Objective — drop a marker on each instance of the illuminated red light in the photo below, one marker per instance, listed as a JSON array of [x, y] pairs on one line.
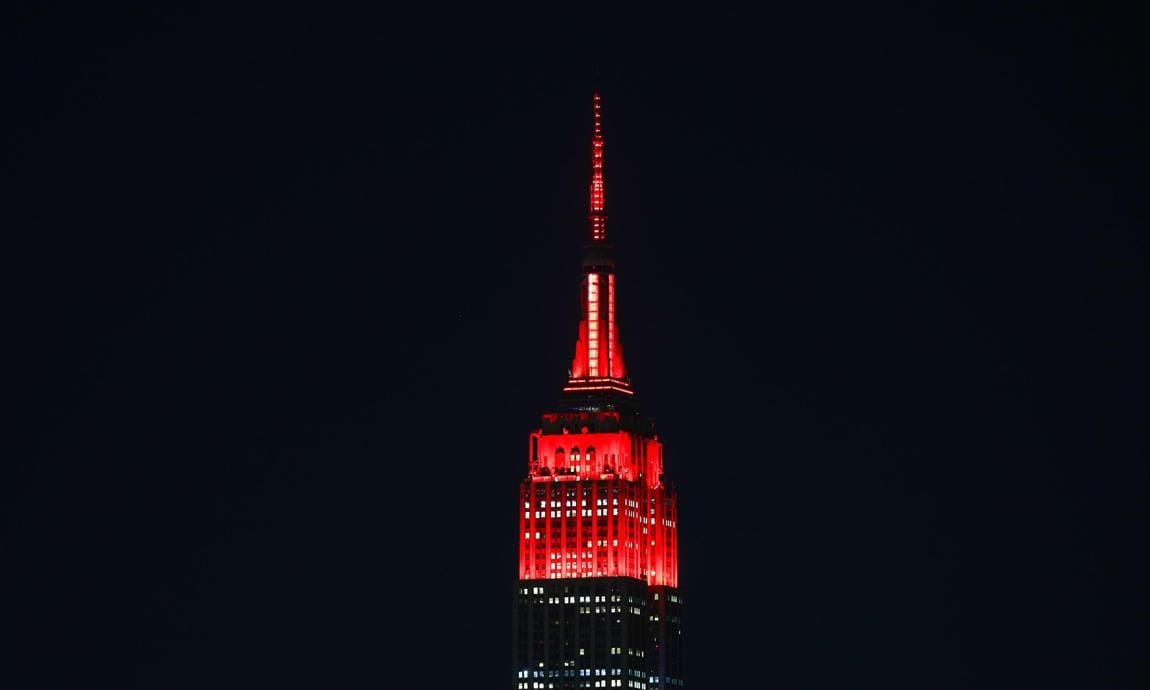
[[598, 202], [576, 388], [597, 527], [593, 324], [598, 351], [594, 503]]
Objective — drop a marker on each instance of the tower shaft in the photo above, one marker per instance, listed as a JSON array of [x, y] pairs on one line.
[[597, 604]]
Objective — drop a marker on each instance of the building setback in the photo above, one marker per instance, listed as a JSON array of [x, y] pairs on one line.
[[597, 604]]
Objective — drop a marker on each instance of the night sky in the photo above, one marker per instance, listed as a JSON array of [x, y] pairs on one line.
[[284, 291]]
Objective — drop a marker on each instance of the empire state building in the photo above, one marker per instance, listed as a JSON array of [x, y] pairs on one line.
[[597, 604]]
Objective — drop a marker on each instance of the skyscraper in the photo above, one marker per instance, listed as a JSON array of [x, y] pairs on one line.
[[597, 604]]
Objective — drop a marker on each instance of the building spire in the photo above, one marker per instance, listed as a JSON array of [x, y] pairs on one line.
[[598, 206], [598, 363]]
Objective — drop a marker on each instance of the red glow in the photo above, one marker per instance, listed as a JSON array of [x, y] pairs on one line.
[[597, 527], [598, 203], [614, 347], [577, 388], [593, 324], [591, 455], [593, 502], [598, 352]]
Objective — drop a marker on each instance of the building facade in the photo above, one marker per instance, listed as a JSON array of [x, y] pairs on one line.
[[597, 604]]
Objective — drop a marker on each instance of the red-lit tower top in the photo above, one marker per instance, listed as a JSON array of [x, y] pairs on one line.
[[594, 503], [598, 361]]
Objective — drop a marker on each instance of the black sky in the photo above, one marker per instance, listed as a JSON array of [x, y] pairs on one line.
[[286, 289]]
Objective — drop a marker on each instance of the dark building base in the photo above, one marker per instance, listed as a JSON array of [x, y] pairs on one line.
[[597, 632]]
